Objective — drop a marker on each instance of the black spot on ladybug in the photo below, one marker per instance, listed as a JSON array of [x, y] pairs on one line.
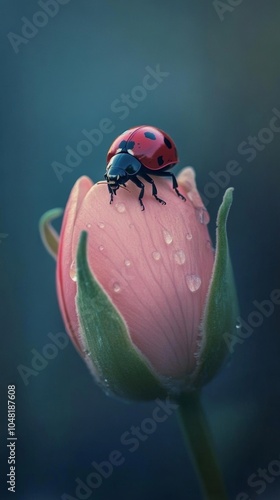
[[125, 145], [150, 135], [160, 160], [122, 145], [167, 143]]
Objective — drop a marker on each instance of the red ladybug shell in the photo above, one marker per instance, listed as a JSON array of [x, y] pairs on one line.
[[151, 146]]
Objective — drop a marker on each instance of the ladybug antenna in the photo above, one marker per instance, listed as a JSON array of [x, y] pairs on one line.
[[105, 182]]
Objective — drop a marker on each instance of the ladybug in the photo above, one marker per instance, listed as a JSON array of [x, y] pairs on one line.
[[140, 152]]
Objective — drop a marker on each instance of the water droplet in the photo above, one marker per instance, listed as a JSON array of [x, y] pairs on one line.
[[120, 207], [209, 245], [193, 281], [180, 257], [167, 237], [101, 225], [127, 263], [156, 255], [101, 248], [202, 215], [116, 287], [73, 271], [189, 236], [238, 325], [89, 226]]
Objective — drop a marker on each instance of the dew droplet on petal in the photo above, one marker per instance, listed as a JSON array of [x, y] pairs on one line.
[[180, 257], [193, 281], [120, 207], [167, 237], [101, 225], [189, 236], [127, 263], [202, 215], [209, 245], [156, 255], [73, 271], [116, 287], [101, 248], [89, 225]]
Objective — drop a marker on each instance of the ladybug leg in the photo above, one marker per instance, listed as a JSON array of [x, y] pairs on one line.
[[154, 188], [111, 193], [174, 181], [142, 189]]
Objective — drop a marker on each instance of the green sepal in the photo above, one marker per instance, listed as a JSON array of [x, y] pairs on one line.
[[221, 310], [121, 368], [49, 236]]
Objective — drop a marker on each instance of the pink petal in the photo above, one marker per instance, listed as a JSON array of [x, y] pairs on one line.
[[155, 265], [66, 288]]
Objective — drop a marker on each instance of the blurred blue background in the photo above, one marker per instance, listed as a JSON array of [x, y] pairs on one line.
[[221, 84]]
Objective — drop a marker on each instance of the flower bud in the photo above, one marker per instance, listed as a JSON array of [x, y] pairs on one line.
[[143, 295]]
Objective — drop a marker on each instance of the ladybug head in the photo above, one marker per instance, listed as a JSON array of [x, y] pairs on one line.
[[120, 168]]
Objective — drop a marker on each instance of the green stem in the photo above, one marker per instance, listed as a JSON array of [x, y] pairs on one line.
[[197, 434]]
